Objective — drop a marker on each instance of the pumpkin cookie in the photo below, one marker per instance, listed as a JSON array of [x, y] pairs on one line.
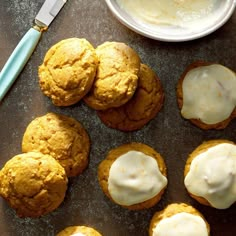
[[206, 95], [179, 219], [79, 231], [33, 184], [68, 71], [210, 173], [133, 176], [116, 78], [62, 137], [141, 108]]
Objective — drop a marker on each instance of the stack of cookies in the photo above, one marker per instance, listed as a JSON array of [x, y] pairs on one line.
[[110, 79], [54, 148]]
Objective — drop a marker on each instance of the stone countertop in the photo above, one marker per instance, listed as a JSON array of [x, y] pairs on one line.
[[168, 133]]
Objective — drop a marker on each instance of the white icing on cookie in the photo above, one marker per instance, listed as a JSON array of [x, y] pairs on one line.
[[181, 224], [209, 94], [212, 175], [78, 234], [134, 178]]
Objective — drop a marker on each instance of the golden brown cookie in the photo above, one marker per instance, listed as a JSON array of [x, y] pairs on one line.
[[80, 230], [141, 108], [198, 122], [172, 210], [201, 149], [116, 78], [62, 137], [68, 70], [105, 167], [33, 184]]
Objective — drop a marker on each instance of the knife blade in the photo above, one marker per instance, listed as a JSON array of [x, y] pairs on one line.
[[27, 44], [48, 12]]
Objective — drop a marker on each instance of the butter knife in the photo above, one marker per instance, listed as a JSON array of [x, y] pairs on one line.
[[27, 44]]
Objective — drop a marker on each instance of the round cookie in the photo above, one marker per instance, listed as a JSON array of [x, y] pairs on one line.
[[68, 70], [139, 186], [141, 108], [62, 137], [179, 219], [117, 76], [205, 110], [33, 184], [202, 169], [79, 231]]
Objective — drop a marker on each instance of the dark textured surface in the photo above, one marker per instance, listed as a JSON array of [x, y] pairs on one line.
[[168, 133]]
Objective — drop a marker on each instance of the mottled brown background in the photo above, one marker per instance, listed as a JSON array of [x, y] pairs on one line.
[[168, 133]]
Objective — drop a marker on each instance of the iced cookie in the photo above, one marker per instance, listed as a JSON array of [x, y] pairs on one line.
[[79, 231], [141, 108], [117, 76], [62, 137], [68, 70], [210, 173], [179, 219], [33, 184], [133, 176], [206, 95]]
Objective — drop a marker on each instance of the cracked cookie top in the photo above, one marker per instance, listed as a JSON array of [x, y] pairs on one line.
[[141, 108], [62, 137], [33, 184], [116, 78], [68, 70]]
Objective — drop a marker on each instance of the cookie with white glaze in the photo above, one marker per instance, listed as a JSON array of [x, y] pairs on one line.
[[79, 231], [133, 175], [206, 95], [179, 219], [210, 176]]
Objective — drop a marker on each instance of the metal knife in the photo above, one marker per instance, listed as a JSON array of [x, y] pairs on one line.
[[26, 46]]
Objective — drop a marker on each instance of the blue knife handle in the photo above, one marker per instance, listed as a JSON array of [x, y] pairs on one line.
[[17, 60]]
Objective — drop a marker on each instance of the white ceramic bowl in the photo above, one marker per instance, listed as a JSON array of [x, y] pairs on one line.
[[172, 34]]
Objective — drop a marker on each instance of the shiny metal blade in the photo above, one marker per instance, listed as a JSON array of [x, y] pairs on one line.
[[48, 12]]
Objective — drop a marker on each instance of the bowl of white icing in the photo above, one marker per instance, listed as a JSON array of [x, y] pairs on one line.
[[172, 20]]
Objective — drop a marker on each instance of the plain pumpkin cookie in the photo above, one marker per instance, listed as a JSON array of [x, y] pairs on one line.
[[210, 173], [79, 231], [68, 71], [141, 108], [179, 219], [206, 95], [62, 137], [116, 78], [133, 175], [33, 184]]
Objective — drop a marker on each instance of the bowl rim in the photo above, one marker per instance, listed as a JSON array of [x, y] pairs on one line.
[[171, 38]]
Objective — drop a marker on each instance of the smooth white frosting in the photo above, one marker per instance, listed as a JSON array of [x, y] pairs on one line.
[[212, 175], [181, 224], [209, 94], [180, 13], [134, 178]]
